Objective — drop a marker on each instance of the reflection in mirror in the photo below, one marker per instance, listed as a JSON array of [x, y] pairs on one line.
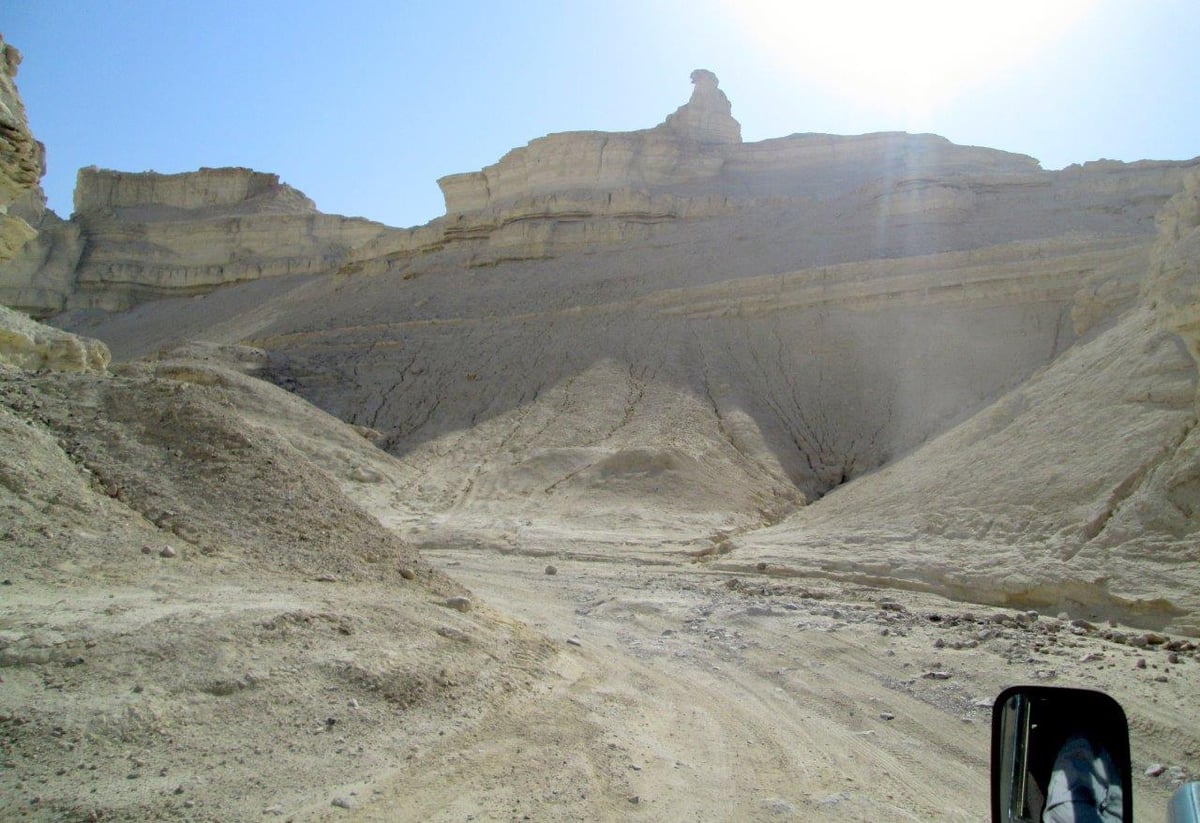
[[1060, 756]]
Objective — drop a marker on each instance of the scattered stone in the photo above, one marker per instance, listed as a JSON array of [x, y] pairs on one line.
[[886, 716], [188, 804], [459, 603], [1139, 640], [1080, 623], [1162, 678], [407, 573], [551, 570], [635, 800], [1155, 639], [1091, 657], [1155, 769], [352, 703], [74, 661], [573, 641], [147, 549], [936, 675], [761, 566], [342, 802], [891, 606], [1045, 674], [1140, 664], [275, 810], [179, 789], [167, 551], [939, 643], [1173, 657]]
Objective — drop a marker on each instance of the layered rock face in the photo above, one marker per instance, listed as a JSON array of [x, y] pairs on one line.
[[139, 236], [22, 158]]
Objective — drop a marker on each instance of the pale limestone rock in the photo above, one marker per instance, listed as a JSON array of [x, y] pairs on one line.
[[707, 116], [1173, 289], [148, 235], [29, 345], [150, 194], [22, 158]]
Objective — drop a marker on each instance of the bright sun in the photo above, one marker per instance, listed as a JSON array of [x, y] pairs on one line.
[[911, 56]]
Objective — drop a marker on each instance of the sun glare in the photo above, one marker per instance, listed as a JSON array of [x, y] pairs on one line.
[[910, 57]]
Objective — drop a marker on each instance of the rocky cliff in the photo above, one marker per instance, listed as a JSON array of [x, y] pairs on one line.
[[135, 237], [22, 158]]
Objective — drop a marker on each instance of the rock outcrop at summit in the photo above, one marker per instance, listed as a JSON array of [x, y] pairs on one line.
[[707, 116]]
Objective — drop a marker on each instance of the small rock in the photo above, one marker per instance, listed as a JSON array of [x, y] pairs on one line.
[[188, 804], [1173, 657], [1162, 678], [1155, 639], [1080, 623], [407, 573], [352, 703], [1140, 664], [1155, 769], [1139, 640], [551, 570], [342, 802], [886, 716], [635, 800], [326, 578], [459, 603], [167, 551], [891, 606], [275, 810], [573, 641], [1045, 674], [936, 675], [179, 790], [939, 643], [761, 566], [1091, 657], [147, 550]]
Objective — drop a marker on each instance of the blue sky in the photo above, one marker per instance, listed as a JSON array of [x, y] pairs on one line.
[[363, 105]]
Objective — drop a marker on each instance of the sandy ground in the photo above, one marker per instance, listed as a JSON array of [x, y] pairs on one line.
[[755, 697]]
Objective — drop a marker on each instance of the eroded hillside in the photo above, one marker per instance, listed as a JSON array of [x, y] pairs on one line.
[[672, 334]]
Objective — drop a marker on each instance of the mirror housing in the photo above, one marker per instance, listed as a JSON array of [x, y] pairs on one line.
[[1060, 754]]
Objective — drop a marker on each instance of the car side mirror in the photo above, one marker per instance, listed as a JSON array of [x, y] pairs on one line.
[[1060, 755]]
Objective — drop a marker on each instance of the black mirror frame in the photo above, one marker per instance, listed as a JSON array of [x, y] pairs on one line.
[[1104, 708]]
